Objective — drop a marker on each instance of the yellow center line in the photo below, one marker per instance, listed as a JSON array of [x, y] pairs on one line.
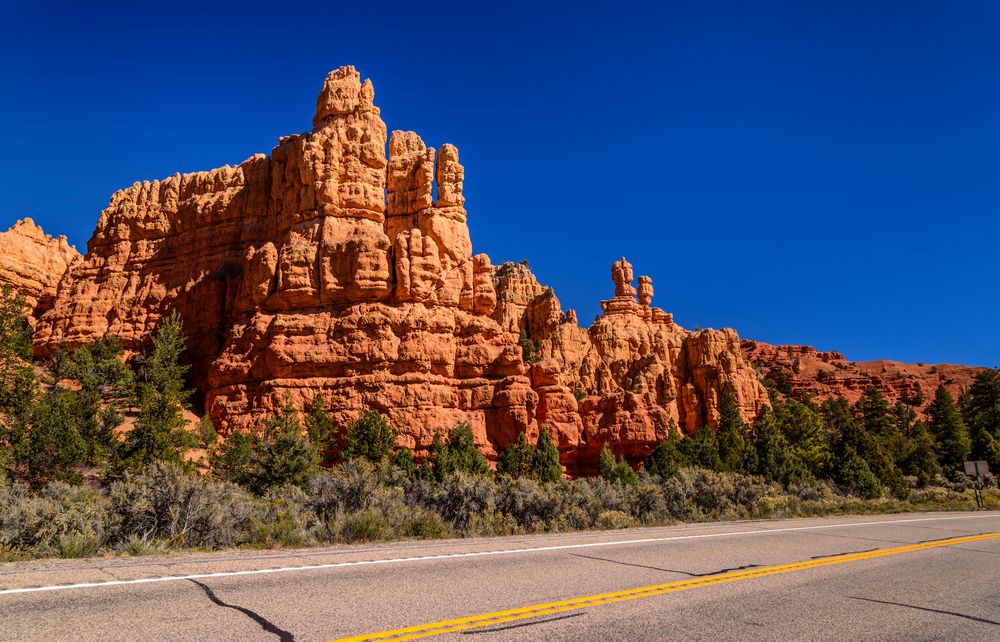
[[549, 608]]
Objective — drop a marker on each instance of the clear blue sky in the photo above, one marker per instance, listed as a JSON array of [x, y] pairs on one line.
[[806, 172]]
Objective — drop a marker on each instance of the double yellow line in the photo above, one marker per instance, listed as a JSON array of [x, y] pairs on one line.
[[549, 608]]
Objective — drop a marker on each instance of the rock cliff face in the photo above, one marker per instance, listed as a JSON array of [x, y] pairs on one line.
[[802, 372], [33, 263], [632, 376], [333, 269]]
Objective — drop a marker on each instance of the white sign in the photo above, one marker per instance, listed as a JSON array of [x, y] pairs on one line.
[[976, 468]]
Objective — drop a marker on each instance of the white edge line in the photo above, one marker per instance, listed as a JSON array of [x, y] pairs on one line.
[[427, 558]]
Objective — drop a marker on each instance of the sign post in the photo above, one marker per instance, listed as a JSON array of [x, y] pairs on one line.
[[977, 469]]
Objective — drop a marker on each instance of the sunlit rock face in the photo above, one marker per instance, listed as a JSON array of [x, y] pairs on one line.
[[341, 267]]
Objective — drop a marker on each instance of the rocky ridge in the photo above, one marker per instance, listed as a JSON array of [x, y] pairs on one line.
[[33, 263], [332, 268]]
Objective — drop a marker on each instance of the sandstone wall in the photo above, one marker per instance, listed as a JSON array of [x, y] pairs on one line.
[[33, 263]]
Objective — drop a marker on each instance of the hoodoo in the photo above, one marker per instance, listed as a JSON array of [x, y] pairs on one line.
[[341, 266]]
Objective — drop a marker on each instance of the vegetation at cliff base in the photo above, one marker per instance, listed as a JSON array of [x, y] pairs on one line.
[[99, 453]]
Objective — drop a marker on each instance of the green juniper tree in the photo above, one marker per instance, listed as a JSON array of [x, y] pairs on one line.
[[17, 377], [776, 458], [921, 460], [458, 453], [615, 469], [545, 464], [701, 449], [321, 431], [516, 459], [804, 430], [370, 437]]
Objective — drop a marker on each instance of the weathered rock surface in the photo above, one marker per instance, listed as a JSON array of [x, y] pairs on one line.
[[33, 262], [635, 375], [331, 268], [802, 372]]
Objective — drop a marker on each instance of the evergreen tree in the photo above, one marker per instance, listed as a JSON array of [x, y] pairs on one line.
[[516, 459], [951, 437], [921, 460], [51, 446], [981, 409], [458, 454], [736, 451], [804, 430], [321, 431], [207, 433], [853, 472], [233, 460], [370, 437], [406, 462], [854, 440], [876, 417], [17, 377], [545, 464], [159, 433], [776, 459], [615, 469], [701, 449], [667, 458]]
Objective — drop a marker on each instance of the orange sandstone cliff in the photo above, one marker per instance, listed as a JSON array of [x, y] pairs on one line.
[[331, 269], [33, 263]]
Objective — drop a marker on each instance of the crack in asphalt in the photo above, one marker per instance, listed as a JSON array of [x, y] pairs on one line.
[[668, 570], [818, 557], [267, 625], [974, 618], [521, 624]]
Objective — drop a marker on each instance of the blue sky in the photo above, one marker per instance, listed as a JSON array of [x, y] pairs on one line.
[[806, 172]]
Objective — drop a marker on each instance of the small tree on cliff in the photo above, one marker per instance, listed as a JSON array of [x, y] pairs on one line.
[[736, 450], [159, 434], [951, 437]]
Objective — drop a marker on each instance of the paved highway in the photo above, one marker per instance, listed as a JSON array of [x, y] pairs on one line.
[[932, 576]]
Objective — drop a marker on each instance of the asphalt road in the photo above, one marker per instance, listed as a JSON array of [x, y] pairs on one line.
[[932, 576]]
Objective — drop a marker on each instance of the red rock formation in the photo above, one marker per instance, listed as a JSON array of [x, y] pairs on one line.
[[636, 372], [802, 372], [33, 263], [330, 269]]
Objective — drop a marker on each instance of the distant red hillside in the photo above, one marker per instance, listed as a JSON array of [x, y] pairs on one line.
[[802, 371]]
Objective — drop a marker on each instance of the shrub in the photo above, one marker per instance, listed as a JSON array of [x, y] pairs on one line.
[[165, 502], [424, 525], [368, 525], [613, 519], [492, 523], [282, 519], [455, 498]]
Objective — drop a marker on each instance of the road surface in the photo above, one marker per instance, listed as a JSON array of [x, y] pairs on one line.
[[930, 576]]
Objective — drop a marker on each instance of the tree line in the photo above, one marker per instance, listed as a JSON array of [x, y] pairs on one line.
[[68, 416]]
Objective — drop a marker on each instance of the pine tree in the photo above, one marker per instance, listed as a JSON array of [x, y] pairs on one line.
[[803, 428], [776, 459], [615, 469], [321, 431], [736, 450], [17, 377], [854, 440], [877, 419], [370, 437], [667, 458], [701, 449], [981, 410], [951, 437], [516, 459], [284, 454], [853, 472], [159, 434], [921, 460], [545, 464], [52, 447]]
